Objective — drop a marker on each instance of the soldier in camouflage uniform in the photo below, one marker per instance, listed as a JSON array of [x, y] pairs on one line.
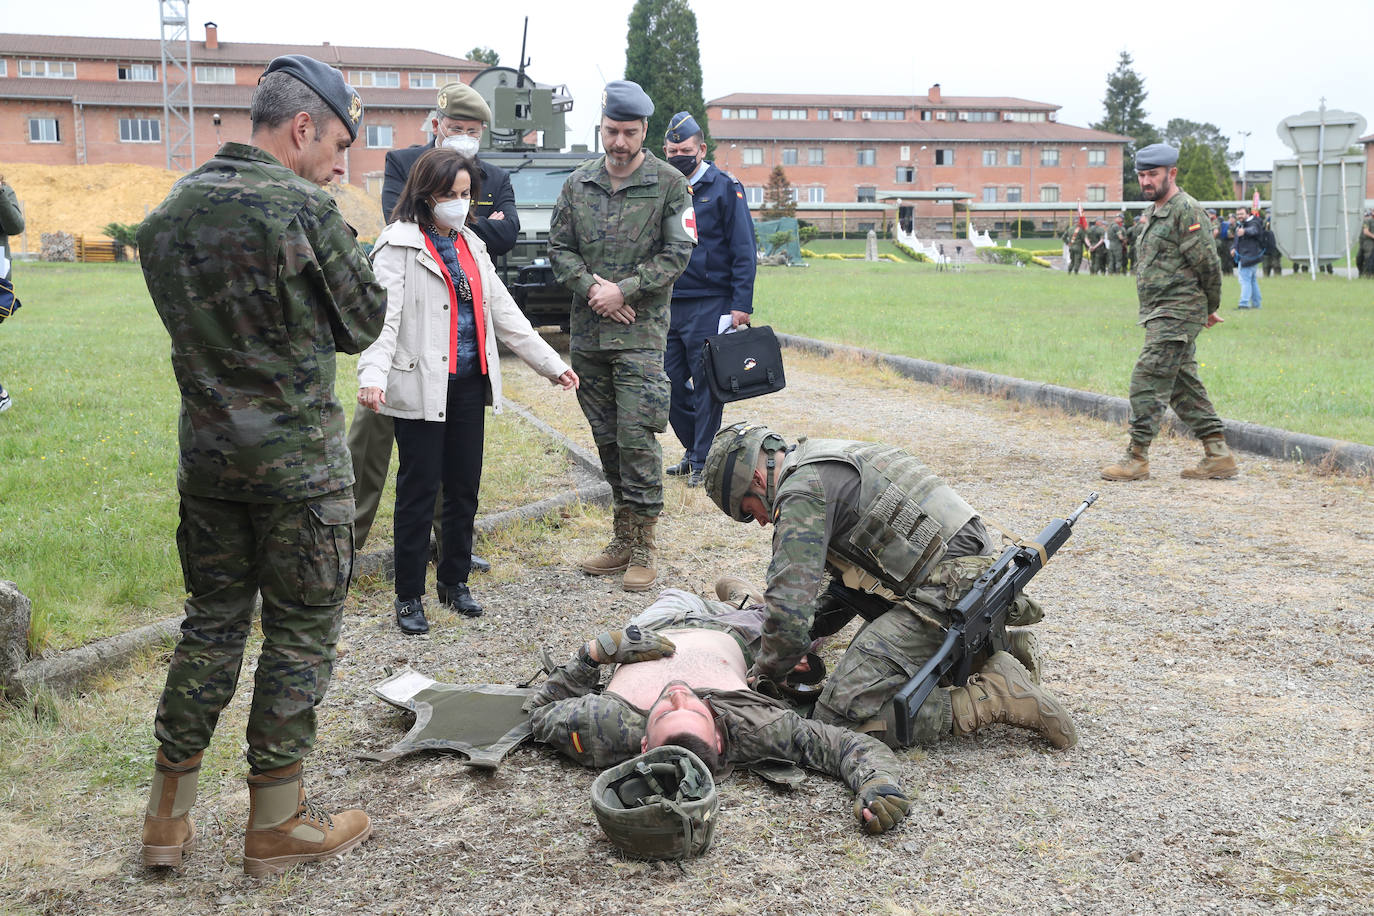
[[1178, 280], [866, 529], [680, 681], [259, 281], [1097, 248], [622, 231], [1076, 238], [1116, 234]]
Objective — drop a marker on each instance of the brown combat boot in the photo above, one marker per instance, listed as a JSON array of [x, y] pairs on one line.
[[1217, 462], [168, 832], [284, 828], [641, 571], [1002, 691], [1024, 646], [615, 556], [735, 590], [1135, 466]]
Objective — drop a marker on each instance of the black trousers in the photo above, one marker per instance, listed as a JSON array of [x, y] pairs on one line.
[[431, 453]]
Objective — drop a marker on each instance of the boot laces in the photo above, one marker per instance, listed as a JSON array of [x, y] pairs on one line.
[[640, 556], [311, 811]]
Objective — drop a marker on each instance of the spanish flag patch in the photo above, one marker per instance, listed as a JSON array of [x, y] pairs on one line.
[[1195, 227], [740, 195], [577, 743]]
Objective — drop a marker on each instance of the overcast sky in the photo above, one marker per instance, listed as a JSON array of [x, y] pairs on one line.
[[1242, 65]]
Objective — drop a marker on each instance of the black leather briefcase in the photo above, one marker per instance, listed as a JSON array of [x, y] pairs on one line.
[[743, 364]]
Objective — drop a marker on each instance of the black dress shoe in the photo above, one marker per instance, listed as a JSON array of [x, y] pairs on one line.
[[460, 599], [680, 469], [479, 564], [410, 617]]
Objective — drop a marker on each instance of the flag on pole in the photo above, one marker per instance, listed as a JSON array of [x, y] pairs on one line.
[[1255, 209], [1082, 220]]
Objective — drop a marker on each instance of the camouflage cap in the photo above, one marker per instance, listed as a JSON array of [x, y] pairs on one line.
[[326, 82], [729, 471], [462, 102], [659, 805]]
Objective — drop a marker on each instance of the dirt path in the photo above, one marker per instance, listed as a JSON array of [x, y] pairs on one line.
[[1214, 640]]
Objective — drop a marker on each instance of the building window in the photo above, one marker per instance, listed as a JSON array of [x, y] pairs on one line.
[[989, 157], [906, 174], [789, 114], [373, 184], [1025, 116], [867, 156], [1097, 193], [751, 155], [753, 196], [867, 195], [815, 195], [1013, 157], [793, 195], [842, 114], [815, 156], [1013, 195], [214, 74], [140, 130], [989, 195], [944, 157], [925, 116], [44, 130], [1049, 157], [739, 114], [789, 156], [432, 80], [376, 79], [48, 69], [137, 73], [979, 116], [905, 153], [1049, 193], [885, 114], [1097, 157], [4, 67], [822, 114], [379, 136]]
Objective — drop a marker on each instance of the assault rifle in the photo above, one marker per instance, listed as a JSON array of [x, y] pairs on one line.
[[978, 621]]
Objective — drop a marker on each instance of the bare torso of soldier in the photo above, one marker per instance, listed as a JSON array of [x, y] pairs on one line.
[[704, 658]]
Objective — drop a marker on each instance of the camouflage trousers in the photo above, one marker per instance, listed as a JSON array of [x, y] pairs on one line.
[[1075, 260], [624, 395], [1166, 374], [299, 556]]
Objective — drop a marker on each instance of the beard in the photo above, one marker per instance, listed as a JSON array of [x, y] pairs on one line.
[[1159, 190]]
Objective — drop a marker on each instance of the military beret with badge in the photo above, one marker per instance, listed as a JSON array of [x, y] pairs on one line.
[[463, 103], [681, 128], [327, 83]]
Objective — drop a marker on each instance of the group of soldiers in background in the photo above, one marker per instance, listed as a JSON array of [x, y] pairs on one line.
[[1110, 248]]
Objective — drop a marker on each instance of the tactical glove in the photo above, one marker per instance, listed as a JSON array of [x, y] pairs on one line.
[[884, 801], [633, 645]]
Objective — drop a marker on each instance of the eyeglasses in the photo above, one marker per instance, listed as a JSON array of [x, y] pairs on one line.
[[452, 130]]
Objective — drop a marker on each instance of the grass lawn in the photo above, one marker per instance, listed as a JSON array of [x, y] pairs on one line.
[[851, 246]]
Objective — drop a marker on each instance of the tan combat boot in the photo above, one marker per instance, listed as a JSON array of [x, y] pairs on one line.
[[1217, 462], [168, 833], [1002, 691], [1135, 466], [641, 571], [285, 829], [1024, 646], [735, 590], [615, 556]]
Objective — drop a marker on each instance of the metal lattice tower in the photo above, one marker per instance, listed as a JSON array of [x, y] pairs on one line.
[[178, 110]]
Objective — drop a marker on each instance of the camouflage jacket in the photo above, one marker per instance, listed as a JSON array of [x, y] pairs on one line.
[[11, 222], [1096, 235], [639, 237], [259, 281], [602, 729], [1178, 274]]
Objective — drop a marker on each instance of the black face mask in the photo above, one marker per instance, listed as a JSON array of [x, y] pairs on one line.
[[684, 164]]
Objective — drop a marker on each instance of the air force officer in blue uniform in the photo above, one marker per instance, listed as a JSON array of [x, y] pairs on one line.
[[719, 281]]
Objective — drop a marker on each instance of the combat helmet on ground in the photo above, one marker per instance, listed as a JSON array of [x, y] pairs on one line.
[[659, 805], [729, 471]]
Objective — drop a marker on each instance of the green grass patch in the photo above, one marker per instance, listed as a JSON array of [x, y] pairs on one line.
[[851, 246]]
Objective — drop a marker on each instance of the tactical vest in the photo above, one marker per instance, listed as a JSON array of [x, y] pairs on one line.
[[906, 515]]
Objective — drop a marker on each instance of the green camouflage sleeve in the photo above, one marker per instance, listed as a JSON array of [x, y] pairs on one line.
[[568, 266], [1199, 252], [322, 262], [596, 730], [795, 575], [661, 271]]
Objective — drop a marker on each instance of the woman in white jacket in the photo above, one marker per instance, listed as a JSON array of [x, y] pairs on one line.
[[434, 368]]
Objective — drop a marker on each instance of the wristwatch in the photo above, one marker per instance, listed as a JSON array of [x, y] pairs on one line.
[[586, 659]]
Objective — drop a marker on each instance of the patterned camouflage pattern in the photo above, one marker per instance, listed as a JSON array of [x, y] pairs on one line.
[[1179, 275], [11, 223], [624, 395], [1166, 373], [1075, 237], [259, 281], [1097, 243], [300, 555]]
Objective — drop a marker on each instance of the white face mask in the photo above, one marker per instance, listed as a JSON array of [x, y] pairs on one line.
[[463, 145], [452, 213]]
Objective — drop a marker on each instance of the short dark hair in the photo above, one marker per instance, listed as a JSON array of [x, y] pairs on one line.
[[693, 743], [433, 174], [279, 97]]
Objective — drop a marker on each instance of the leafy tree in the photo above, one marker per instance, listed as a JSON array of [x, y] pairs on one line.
[[123, 233], [1208, 134], [1124, 106], [662, 56], [779, 240], [1202, 171], [484, 55], [777, 197]]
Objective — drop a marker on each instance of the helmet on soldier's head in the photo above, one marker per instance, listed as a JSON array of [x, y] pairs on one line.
[[729, 471], [659, 805]]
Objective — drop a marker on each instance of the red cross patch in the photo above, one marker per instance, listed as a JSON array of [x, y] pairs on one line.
[[689, 222]]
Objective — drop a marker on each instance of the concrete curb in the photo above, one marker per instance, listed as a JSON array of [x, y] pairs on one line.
[[71, 671], [1350, 457]]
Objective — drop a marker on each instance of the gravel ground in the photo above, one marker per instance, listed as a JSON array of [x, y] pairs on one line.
[[1214, 641]]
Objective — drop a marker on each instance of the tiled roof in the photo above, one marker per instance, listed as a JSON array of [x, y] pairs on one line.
[[204, 95], [784, 99], [76, 47], [910, 131]]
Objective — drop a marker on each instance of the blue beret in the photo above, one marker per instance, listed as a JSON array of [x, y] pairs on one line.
[[326, 82], [681, 128], [623, 100], [1154, 156]]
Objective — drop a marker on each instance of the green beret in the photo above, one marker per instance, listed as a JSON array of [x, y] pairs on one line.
[[326, 82], [461, 101], [623, 100]]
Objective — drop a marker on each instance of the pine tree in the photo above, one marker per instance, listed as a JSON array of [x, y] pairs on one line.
[[484, 56], [1202, 171], [777, 197], [663, 57], [1124, 105]]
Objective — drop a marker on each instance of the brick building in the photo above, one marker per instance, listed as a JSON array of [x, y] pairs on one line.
[[70, 100], [856, 160]]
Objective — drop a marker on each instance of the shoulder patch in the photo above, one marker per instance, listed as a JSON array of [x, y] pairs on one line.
[[1195, 227], [689, 223]]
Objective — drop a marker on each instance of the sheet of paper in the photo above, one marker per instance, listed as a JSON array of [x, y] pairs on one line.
[[725, 322]]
